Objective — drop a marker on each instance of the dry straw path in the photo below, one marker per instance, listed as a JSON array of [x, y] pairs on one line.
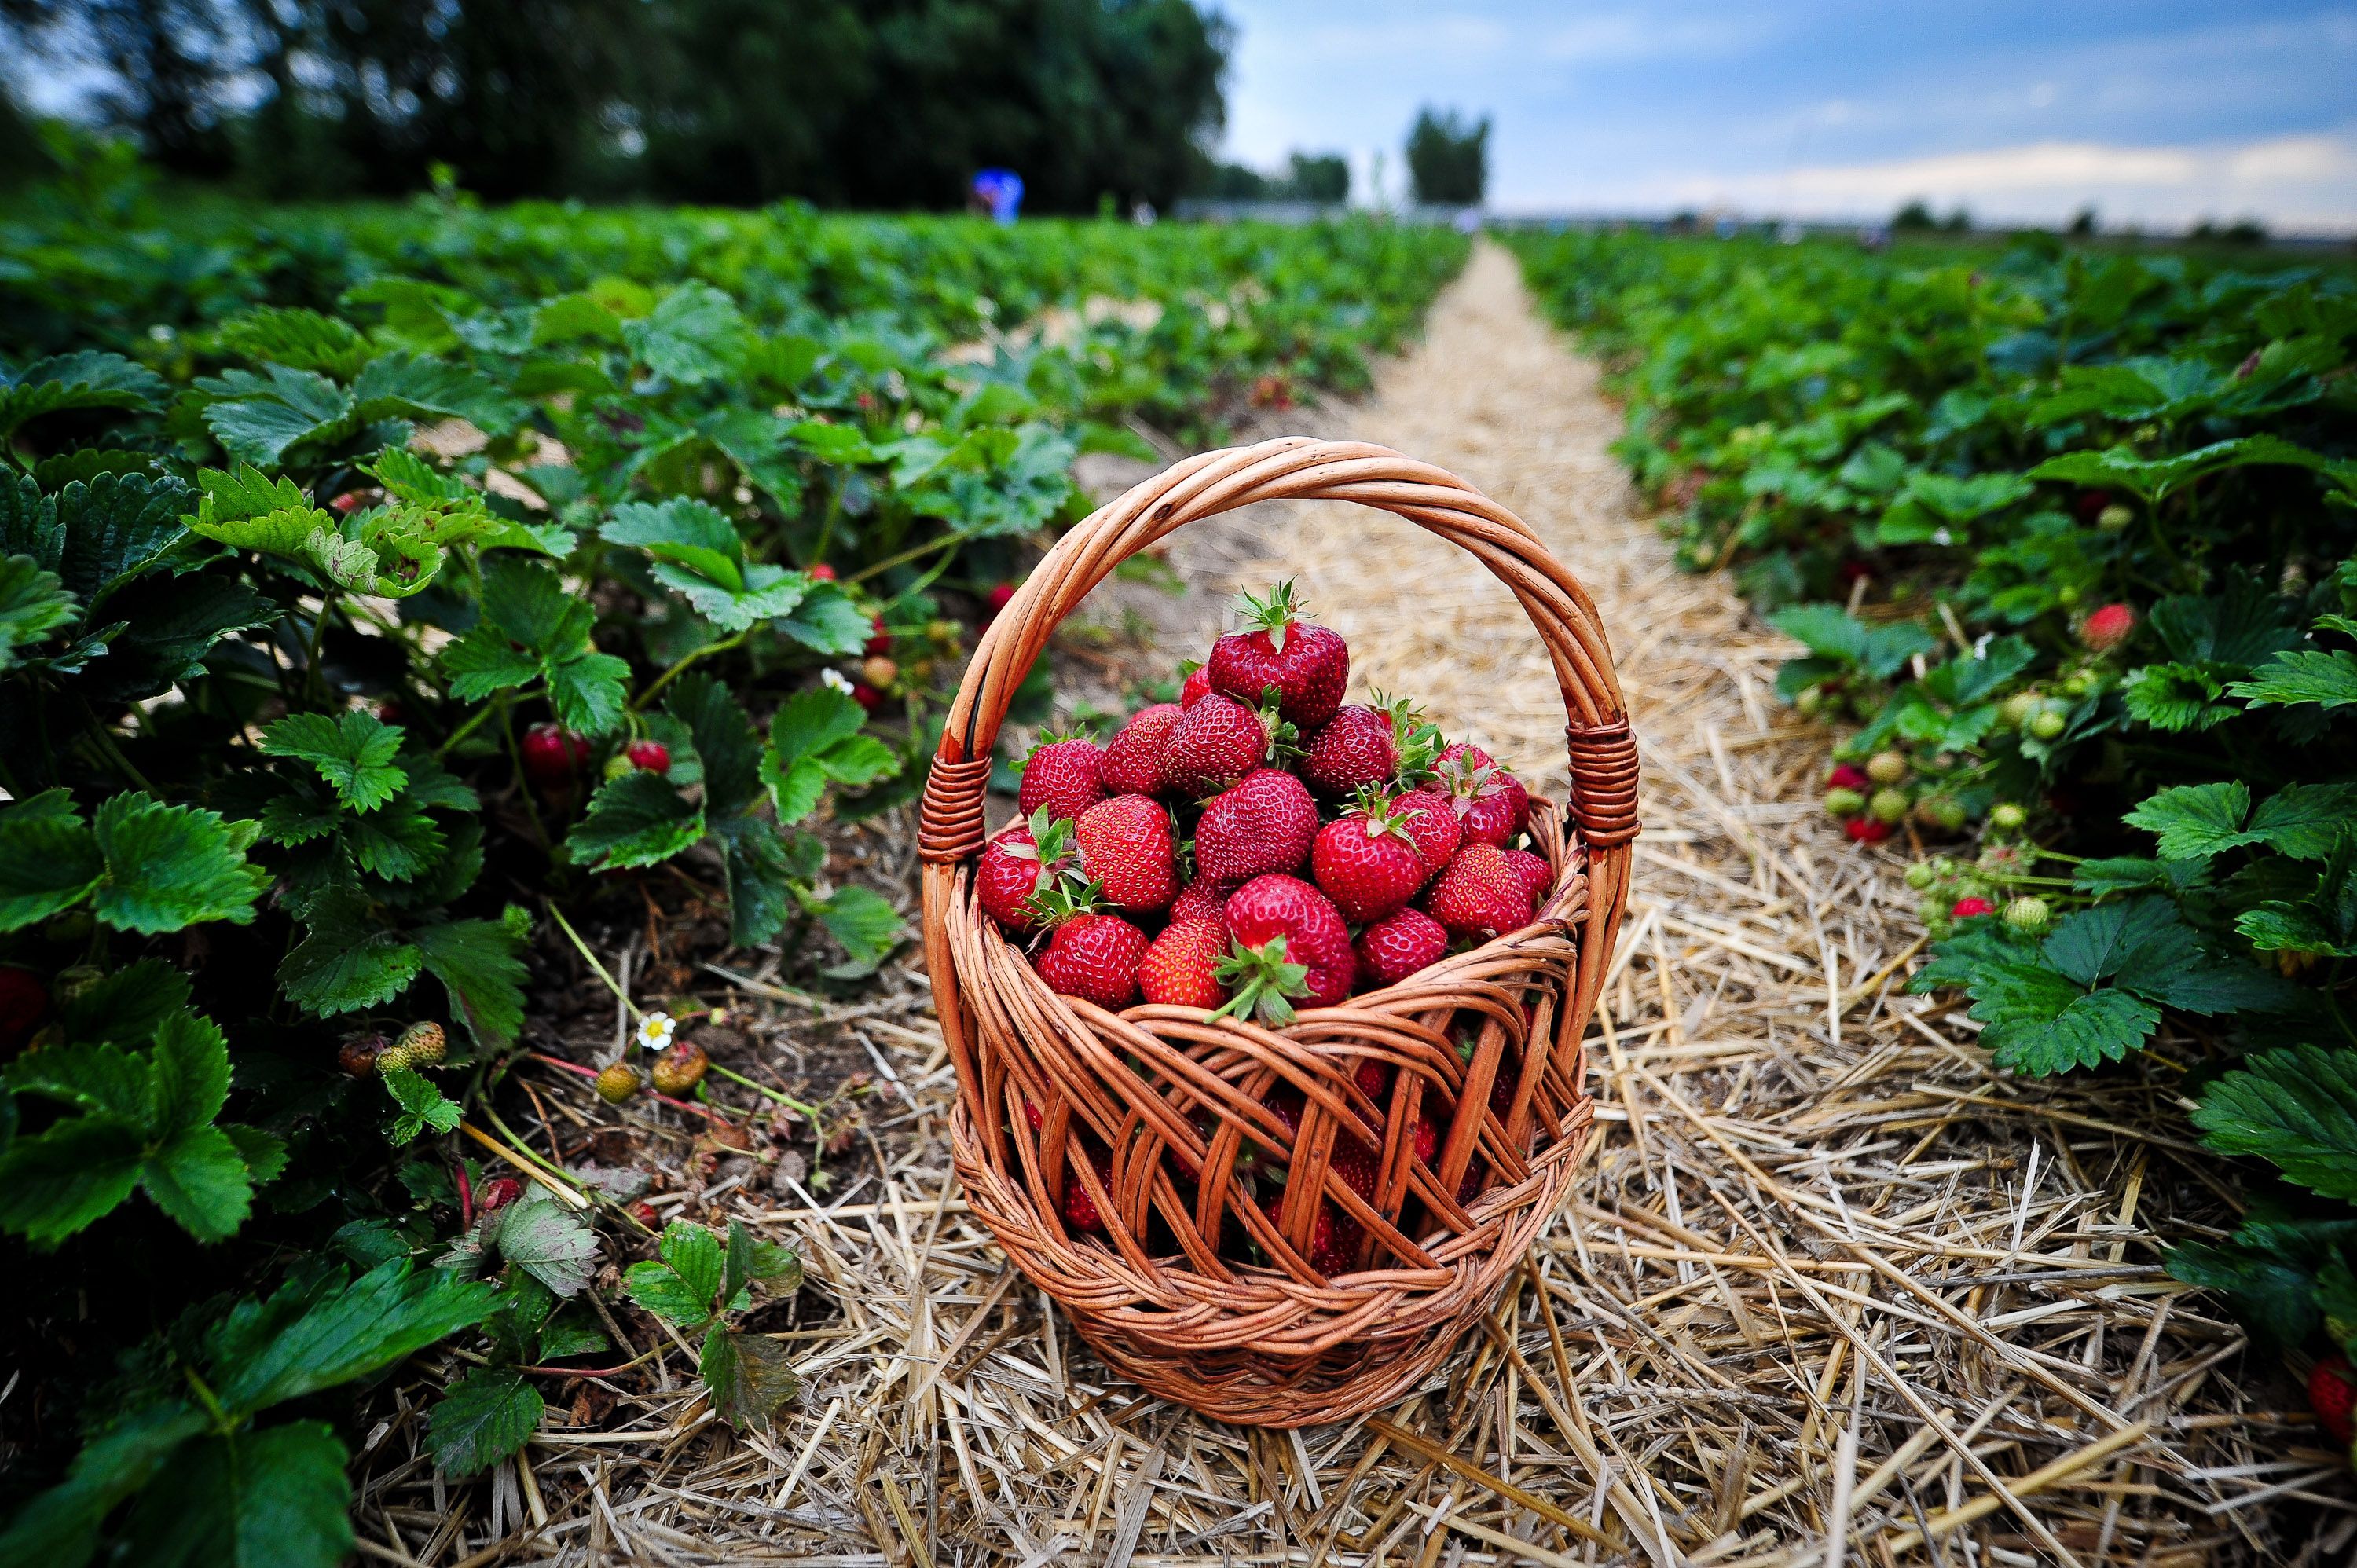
[[1833, 1286]]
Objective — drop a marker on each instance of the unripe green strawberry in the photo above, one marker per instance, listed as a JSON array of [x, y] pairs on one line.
[[1889, 806], [2018, 709], [2007, 817], [618, 765], [617, 1083], [1887, 766], [2067, 596], [2048, 723], [1945, 813], [1809, 700], [2079, 683], [2114, 517], [421, 1045], [1920, 876], [2027, 915], [1844, 802]]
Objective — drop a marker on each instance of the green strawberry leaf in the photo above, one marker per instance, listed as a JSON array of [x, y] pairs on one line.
[[49, 859], [423, 1106], [481, 966], [275, 1496], [638, 819], [306, 1338], [2296, 1107], [748, 1375], [2326, 679], [485, 1417], [353, 752]]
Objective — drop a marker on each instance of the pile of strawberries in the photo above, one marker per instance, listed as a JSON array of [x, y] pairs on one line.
[[1261, 844]]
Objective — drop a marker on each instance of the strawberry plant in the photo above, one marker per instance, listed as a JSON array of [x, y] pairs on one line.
[[2090, 521]]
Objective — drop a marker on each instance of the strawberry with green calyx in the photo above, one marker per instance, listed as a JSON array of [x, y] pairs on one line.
[[1429, 818], [1065, 774], [1213, 746], [1398, 945], [1420, 745], [1090, 955], [1365, 862], [2029, 916], [420, 1045], [1307, 663], [1025, 860], [1195, 685], [1492, 803], [1279, 924], [1357, 748], [1182, 967], [1127, 849], [1133, 759], [1264, 824], [648, 756]]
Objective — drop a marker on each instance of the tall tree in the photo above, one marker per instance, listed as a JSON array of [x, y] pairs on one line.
[[1448, 158], [167, 66]]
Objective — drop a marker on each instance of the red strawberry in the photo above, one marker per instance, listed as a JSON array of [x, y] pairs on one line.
[[1197, 686], [648, 756], [1360, 1166], [1066, 775], [1533, 870], [867, 697], [1431, 821], [1126, 845], [1373, 1078], [1133, 759], [550, 755], [1178, 968], [1867, 829], [1093, 957], [2332, 1395], [1264, 824], [998, 600], [498, 1193], [1293, 945], [1365, 862], [1355, 749], [1966, 909], [1849, 775], [1333, 1235], [880, 639], [1400, 944], [1024, 859], [1080, 1209], [2107, 628], [1214, 743], [1200, 900], [1479, 894], [822, 573], [1490, 801], [1426, 1136], [1308, 664]]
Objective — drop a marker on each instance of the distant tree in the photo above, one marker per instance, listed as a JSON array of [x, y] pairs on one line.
[[2083, 225], [1960, 222], [1913, 219], [1322, 178], [1236, 182], [1448, 158], [165, 64], [2248, 232]]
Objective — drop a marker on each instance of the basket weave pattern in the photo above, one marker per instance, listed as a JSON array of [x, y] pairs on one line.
[[1178, 1100]]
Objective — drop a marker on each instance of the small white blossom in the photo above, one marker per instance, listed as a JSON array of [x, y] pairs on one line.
[[836, 678], [655, 1031]]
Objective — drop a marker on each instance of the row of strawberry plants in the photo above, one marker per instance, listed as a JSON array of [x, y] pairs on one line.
[[350, 644], [2068, 538]]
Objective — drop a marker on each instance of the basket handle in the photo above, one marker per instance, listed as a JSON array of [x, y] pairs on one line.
[[1603, 753]]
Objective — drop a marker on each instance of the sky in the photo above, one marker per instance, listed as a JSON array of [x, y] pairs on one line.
[[2158, 113]]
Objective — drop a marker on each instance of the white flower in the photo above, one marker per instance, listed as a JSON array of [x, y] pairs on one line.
[[655, 1031], [836, 678]]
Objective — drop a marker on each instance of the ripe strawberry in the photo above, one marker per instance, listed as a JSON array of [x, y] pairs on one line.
[[880, 639], [1307, 663], [1535, 873], [550, 755], [1080, 1209], [1126, 845], [1179, 968], [1197, 686], [2332, 1395], [1867, 829], [1365, 862], [1490, 801], [498, 1193], [1000, 596], [1064, 775], [648, 756], [1333, 1235], [1290, 943], [1374, 1078], [1849, 775], [1093, 957], [1400, 944], [867, 697], [1133, 759], [1026, 859], [1214, 743], [1430, 818], [1359, 1164], [1479, 894], [1264, 824], [1966, 909], [1354, 751], [822, 573], [2107, 628], [1426, 1136], [1202, 900]]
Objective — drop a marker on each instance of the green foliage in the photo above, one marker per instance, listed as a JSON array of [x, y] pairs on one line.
[[696, 1283]]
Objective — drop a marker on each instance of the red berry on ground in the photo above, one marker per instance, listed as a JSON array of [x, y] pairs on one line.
[[1266, 824], [1849, 775], [1133, 759], [1178, 968], [648, 756], [1400, 944], [1213, 747], [1093, 957], [1306, 664], [1065, 776], [1355, 749], [498, 1194], [2332, 1395], [1480, 894], [1128, 846], [1867, 829], [1967, 908]]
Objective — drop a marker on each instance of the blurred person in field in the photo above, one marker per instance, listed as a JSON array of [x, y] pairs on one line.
[[996, 194]]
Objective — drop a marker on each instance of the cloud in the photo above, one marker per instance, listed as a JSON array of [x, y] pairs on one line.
[[1613, 37]]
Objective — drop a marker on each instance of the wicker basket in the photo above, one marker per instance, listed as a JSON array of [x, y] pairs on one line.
[[1173, 1095]]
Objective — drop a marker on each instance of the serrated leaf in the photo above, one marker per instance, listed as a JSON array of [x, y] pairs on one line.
[[387, 1315], [421, 386], [258, 417], [172, 866], [423, 1106], [68, 1178], [532, 627], [60, 1527], [2196, 820], [867, 927], [2093, 1028], [481, 966], [760, 891], [815, 739], [33, 603], [658, 1289], [173, 623], [545, 1239], [638, 819], [198, 1176], [89, 379], [689, 335], [2297, 1108], [2276, 1296], [113, 528], [48, 858], [301, 340], [345, 962], [352, 751], [191, 1072], [2326, 679], [827, 621], [727, 748], [2303, 821], [126, 1007], [481, 1419]]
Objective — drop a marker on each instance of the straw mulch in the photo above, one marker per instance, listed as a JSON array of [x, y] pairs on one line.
[[1833, 1289]]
